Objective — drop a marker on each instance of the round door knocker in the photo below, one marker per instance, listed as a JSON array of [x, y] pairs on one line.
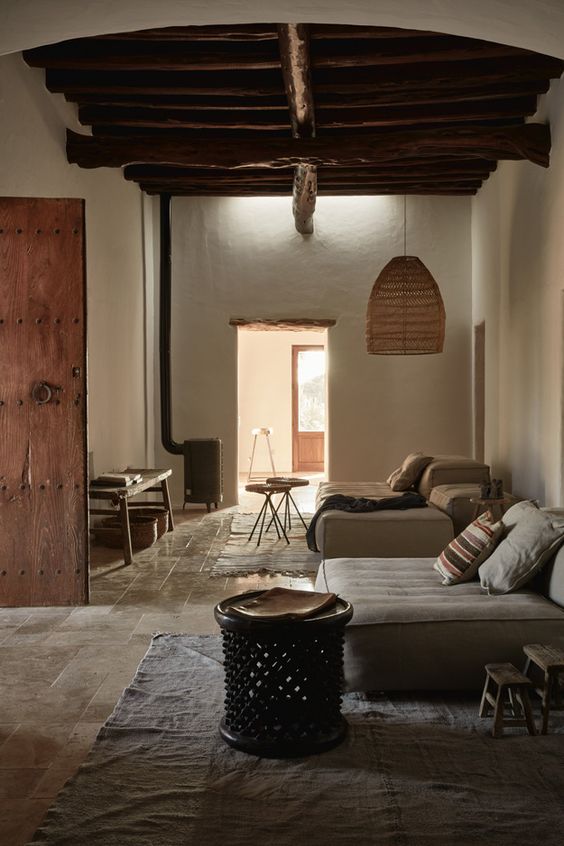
[[41, 393]]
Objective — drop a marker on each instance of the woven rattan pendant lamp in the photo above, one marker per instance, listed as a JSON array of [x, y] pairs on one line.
[[406, 314]]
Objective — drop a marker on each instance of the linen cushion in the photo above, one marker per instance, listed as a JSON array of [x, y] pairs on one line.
[[532, 535], [451, 470], [406, 476], [460, 560]]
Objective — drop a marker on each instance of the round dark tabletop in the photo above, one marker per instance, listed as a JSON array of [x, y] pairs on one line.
[[338, 615]]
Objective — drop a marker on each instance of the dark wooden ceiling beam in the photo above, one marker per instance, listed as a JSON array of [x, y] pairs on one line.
[[278, 119], [349, 191], [238, 84], [293, 45], [530, 141], [328, 179], [479, 168], [222, 32], [375, 82], [278, 103], [259, 32], [115, 55]]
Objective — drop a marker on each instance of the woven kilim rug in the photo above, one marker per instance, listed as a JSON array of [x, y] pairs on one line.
[[241, 556], [413, 771]]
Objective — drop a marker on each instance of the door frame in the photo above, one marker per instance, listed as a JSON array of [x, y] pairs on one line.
[[296, 349]]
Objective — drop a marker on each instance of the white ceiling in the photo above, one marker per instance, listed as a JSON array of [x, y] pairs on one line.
[[531, 24]]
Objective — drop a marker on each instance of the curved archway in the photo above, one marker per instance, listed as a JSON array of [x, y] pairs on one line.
[[30, 24]]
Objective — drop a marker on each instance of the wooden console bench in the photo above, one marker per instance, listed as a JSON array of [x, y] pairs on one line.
[[152, 481]]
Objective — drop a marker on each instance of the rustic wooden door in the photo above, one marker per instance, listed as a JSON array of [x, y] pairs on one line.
[[308, 408], [43, 448]]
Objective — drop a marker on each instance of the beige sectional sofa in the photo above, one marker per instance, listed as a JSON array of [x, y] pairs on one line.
[[395, 534], [410, 632]]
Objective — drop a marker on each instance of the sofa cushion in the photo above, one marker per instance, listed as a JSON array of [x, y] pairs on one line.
[[386, 533], [410, 632], [406, 476], [532, 536], [451, 469], [459, 561]]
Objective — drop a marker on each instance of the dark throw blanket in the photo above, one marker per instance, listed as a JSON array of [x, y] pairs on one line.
[[360, 505]]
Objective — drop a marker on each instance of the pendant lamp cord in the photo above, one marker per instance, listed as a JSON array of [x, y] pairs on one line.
[[404, 225]]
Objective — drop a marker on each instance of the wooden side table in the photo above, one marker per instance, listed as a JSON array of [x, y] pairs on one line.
[[152, 481], [494, 506], [287, 498], [283, 680], [550, 660], [268, 491]]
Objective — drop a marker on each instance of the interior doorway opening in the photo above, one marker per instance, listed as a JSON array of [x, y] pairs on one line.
[[282, 402]]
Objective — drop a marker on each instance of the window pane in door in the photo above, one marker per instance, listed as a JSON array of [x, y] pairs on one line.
[[311, 390]]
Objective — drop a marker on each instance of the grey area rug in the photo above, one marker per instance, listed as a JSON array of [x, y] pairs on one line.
[[241, 556], [412, 772]]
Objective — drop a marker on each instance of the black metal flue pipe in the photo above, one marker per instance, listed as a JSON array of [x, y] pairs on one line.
[[165, 303]]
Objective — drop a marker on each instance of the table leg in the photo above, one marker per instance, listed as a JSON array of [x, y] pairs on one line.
[[546, 694], [125, 531], [167, 504], [277, 509], [278, 522], [256, 522], [298, 512]]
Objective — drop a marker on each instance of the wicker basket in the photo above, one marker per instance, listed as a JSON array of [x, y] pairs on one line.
[[143, 532], [159, 513]]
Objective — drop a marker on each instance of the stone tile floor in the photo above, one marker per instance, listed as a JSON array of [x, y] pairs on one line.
[[62, 670]]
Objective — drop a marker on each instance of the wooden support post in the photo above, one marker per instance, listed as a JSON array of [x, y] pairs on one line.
[[304, 197], [293, 41]]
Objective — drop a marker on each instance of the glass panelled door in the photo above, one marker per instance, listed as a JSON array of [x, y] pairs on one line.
[[308, 411]]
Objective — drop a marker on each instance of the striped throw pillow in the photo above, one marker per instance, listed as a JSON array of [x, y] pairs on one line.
[[460, 560]]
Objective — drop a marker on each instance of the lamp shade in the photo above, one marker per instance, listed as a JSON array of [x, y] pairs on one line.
[[405, 315]]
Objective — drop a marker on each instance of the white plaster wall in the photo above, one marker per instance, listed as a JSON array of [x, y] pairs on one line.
[[534, 24], [265, 395], [236, 257], [33, 163], [518, 279]]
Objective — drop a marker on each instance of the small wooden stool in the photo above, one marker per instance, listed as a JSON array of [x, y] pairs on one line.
[[549, 659], [509, 680]]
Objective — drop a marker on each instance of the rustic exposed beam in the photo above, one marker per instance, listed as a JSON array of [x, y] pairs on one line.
[[414, 166], [325, 184], [104, 55], [478, 169], [278, 103], [258, 32], [349, 191], [288, 324], [239, 84], [278, 119], [111, 56], [230, 32], [530, 141], [304, 195], [293, 44], [393, 79], [178, 118]]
